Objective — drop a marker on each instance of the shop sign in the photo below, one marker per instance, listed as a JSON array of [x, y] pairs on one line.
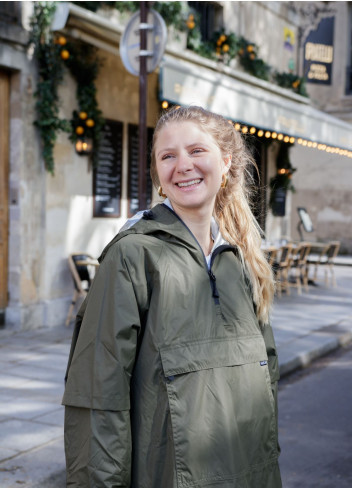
[[319, 53]]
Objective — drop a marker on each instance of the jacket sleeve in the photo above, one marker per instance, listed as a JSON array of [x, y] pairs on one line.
[[97, 393], [273, 364]]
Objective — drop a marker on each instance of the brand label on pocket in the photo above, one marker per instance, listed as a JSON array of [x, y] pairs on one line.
[[263, 362]]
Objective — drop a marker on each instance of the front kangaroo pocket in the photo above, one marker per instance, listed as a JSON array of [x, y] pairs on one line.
[[222, 410]]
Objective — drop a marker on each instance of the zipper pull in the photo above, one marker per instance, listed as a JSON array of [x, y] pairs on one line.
[[213, 287]]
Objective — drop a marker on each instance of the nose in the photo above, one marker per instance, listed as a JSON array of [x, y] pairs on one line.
[[184, 163]]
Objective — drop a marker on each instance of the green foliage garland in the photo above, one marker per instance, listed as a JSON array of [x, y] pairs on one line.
[[291, 81], [249, 59], [84, 65], [51, 73], [53, 53]]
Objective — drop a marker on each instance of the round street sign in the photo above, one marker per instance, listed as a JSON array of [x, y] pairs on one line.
[[156, 42]]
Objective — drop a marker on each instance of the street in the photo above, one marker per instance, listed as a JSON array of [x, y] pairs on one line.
[[315, 426]]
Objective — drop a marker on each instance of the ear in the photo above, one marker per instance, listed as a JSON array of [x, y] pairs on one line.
[[227, 163]]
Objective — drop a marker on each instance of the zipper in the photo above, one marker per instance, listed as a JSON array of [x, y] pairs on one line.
[[217, 251]]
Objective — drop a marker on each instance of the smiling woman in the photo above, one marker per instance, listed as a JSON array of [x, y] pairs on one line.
[[172, 375], [190, 169]]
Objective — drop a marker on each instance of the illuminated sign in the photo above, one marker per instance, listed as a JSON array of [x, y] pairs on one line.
[[319, 53]]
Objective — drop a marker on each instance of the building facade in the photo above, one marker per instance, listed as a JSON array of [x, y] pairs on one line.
[[46, 217]]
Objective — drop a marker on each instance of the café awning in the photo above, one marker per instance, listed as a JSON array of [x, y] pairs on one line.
[[253, 102]]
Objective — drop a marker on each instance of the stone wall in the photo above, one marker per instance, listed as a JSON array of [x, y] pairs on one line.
[[323, 186], [254, 20]]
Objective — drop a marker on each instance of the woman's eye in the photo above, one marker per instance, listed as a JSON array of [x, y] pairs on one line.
[[165, 157], [196, 150]]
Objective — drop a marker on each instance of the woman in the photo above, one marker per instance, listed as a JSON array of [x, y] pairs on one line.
[[173, 369]]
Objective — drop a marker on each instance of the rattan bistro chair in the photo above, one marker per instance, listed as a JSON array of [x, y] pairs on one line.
[[325, 260], [79, 263], [298, 267], [281, 269], [271, 254]]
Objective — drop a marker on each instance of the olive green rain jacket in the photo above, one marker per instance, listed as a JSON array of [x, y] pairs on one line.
[[171, 381]]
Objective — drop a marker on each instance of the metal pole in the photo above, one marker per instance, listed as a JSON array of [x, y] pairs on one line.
[[142, 175]]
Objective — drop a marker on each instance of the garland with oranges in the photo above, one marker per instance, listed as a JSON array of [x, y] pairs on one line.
[[87, 122], [54, 54]]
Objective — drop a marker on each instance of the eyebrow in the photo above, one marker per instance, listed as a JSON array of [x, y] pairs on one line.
[[192, 145]]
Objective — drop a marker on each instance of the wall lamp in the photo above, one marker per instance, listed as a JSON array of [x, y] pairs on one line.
[[84, 146]]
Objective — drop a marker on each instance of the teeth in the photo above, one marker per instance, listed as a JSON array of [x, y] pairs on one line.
[[187, 184]]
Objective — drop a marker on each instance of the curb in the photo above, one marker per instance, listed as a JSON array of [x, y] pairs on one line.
[[313, 346]]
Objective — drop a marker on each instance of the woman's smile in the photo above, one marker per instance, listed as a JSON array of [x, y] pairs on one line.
[[189, 183]]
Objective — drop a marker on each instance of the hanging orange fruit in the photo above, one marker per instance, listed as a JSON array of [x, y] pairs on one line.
[[79, 130], [226, 48], [90, 123], [61, 40], [64, 54], [83, 115]]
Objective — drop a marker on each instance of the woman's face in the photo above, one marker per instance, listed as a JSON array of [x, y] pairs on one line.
[[189, 165]]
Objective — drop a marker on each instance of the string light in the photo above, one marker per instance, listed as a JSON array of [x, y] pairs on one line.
[[279, 136]]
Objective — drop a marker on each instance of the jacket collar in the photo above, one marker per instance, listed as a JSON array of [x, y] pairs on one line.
[[163, 222]]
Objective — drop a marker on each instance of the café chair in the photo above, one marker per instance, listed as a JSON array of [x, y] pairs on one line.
[[326, 260], [298, 267], [271, 254], [79, 264], [281, 269]]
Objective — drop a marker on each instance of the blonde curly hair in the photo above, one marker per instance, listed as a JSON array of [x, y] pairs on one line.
[[232, 209]]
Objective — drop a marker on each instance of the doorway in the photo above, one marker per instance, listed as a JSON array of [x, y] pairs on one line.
[[4, 178]]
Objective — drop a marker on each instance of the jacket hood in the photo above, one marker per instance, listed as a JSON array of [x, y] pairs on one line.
[[161, 222]]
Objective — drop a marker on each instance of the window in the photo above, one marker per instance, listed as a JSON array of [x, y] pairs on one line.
[[10, 12], [210, 15], [133, 169]]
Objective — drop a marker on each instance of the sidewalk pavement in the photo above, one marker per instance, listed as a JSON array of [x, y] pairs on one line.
[[33, 366]]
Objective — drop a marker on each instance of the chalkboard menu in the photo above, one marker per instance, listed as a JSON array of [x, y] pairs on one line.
[[107, 174], [133, 168]]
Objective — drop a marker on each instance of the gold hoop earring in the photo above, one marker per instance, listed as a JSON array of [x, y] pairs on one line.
[[224, 180], [160, 192]]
